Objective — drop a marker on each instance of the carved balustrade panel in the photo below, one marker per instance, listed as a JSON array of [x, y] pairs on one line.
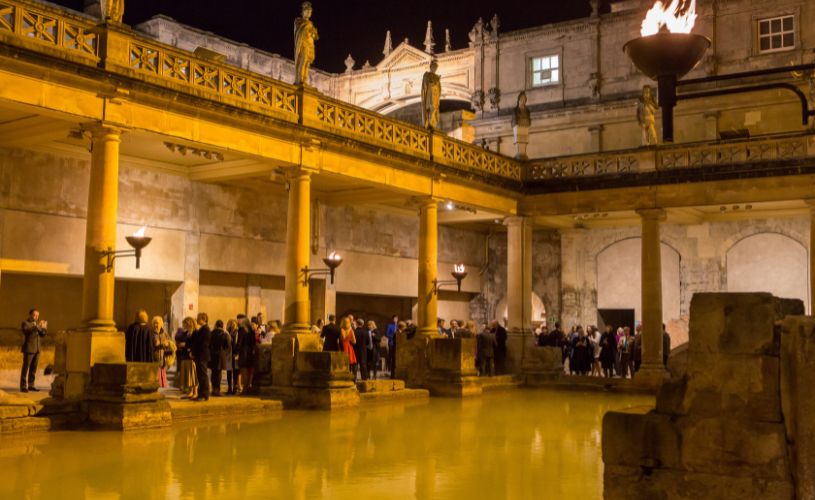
[[368, 126], [583, 166], [743, 152], [27, 22], [477, 159], [221, 79]]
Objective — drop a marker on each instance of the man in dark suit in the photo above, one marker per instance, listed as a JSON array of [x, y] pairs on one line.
[[32, 329], [218, 343], [361, 348], [331, 335], [200, 354]]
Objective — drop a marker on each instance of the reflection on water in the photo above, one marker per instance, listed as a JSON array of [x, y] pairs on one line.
[[524, 444]]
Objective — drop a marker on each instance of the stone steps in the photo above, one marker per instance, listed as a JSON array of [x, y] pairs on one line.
[[499, 383], [185, 409]]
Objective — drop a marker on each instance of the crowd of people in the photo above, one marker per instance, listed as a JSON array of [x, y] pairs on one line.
[[612, 353], [373, 353], [201, 354]]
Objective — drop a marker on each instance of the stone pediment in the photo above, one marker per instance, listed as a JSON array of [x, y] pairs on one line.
[[404, 55]]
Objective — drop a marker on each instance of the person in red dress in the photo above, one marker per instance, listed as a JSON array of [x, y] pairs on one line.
[[348, 341]]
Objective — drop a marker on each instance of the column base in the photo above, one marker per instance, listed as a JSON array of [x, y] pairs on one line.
[[452, 368], [518, 341], [77, 351], [285, 347], [651, 376], [124, 396]]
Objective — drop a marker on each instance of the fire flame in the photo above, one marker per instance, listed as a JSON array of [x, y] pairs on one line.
[[678, 17], [458, 268], [334, 256], [140, 232]]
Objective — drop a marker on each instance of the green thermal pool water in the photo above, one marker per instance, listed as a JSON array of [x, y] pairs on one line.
[[522, 444]]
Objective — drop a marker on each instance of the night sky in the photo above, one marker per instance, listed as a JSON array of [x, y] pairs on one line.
[[355, 26]]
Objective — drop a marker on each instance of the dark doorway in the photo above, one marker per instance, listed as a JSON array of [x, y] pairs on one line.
[[378, 308], [616, 318]]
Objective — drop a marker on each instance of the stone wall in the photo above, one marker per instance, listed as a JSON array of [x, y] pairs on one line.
[[706, 263], [720, 431], [546, 277], [216, 246]]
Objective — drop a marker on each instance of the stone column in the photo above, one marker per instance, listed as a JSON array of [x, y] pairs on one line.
[[652, 371], [811, 204], [428, 306], [298, 229], [98, 340], [296, 335], [519, 290], [185, 297]]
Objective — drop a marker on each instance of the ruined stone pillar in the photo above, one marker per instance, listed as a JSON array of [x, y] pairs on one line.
[[652, 372], [298, 229], [97, 340], [428, 306], [519, 290], [811, 203]]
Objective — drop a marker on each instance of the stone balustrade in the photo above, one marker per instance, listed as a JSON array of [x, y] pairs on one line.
[[119, 50], [676, 156]]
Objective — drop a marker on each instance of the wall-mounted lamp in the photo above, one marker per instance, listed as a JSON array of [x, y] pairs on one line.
[[459, 273], [332, 262], [138, 241]]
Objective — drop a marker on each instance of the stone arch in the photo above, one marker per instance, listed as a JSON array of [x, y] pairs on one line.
[[619, 278], [768, 261], [538, 310]]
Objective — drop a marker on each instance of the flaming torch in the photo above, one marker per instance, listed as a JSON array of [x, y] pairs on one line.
[[459, 273], [667, 51]]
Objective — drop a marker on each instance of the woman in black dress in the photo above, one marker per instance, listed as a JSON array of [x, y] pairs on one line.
[[581, 352]]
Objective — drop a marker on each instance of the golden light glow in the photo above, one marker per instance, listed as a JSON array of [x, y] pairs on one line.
[[459, 268], [140, 232], [677, 17], [334, 256]]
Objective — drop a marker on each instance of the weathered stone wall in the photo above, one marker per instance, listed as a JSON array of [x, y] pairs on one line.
[[705, 261], [235, 234], [546, 275]]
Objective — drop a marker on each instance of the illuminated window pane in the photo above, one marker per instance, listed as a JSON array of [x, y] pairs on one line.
[[545, 70], [776, 34]]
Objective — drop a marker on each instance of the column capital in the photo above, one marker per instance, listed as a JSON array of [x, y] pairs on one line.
[[657, 214], [100, 129], [516, 220], [425, 201], [299, 172]]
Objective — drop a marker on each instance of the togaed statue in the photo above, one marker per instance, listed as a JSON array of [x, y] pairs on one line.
[[114, 10], [431, 95], [646, 116], [305, 34]]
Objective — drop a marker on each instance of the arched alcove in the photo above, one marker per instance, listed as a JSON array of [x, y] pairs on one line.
[[538, 310], [769, 262], [619, 278]]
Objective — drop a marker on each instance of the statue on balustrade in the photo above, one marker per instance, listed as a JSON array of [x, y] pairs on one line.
[[431, 96], [646, 116], [305, 34], [521, 121], [113, 10]]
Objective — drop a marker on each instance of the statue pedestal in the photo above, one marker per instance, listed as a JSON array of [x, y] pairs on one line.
[[76, 352], [124, 396], [542, 365], [452, 368], [323, 381], [285, 347], [412, 359]]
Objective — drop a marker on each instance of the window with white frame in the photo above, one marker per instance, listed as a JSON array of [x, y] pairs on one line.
[[776, 33], [545, 70]]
